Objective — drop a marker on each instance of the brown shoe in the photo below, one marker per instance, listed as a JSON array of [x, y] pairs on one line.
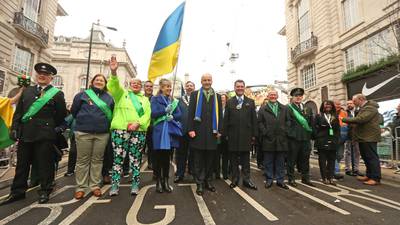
[[79, 195], [364, 178], [371, 182], [106, 180], [97, 192]]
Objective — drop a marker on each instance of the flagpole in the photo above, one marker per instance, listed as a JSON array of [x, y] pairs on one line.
[[179, 51]]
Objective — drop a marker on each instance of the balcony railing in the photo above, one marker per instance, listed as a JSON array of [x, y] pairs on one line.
[[31, 28], [304, 48]]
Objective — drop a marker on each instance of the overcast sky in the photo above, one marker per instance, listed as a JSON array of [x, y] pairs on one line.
[[251, 26]]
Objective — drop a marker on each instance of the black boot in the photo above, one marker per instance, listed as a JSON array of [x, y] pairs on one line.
[[166, 186], [159, 187]]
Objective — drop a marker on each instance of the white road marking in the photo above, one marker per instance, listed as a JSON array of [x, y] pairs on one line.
[[174, 166], [131, 217], [79, 211], [267, 214], [322, 202], [255, 168], [201, 204], [338, 196]]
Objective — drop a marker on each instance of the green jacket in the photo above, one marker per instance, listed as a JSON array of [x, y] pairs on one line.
[[367, 122], [124, 111]]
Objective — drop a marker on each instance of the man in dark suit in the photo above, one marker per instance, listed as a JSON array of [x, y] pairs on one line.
[[299, 133], [182, 155], [38, 114], [240, 129], [204, 129]]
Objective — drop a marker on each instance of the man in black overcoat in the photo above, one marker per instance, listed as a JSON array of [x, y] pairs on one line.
[[272, 122], [37, 134], [240, 129], [299, 132], [203, 132]]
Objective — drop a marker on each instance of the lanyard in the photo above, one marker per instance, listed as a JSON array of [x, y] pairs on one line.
[[328, 119]]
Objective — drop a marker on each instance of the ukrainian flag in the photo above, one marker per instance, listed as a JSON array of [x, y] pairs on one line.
[[165, 53], [6, 115]]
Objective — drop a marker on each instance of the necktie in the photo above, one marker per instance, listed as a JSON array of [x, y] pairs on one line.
[[240, 100]]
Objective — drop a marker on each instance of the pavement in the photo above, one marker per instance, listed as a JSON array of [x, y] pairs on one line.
[[350, 202]]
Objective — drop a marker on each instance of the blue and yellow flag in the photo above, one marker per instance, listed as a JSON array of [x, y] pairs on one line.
[[165, 53]]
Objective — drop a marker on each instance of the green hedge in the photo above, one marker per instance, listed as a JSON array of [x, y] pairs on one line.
[[364, 69]]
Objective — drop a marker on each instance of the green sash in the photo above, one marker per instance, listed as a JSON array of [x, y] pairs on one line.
[[300, 118], [136, 104], [38, 104], [100, 103], [163, 118]]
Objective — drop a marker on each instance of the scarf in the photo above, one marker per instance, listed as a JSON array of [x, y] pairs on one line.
[[274, 108], [215, 109]]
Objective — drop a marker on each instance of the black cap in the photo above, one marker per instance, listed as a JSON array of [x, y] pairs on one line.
[[297, 91], [45, 68]]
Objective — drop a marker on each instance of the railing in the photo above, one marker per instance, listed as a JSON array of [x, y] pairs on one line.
[[31, 27], [303, 47]]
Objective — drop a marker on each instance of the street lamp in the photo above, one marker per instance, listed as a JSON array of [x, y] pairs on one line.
[[90, 49]]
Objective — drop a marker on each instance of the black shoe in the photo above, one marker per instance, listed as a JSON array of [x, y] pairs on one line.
[[268, 185], [199, 190], [165, 185], [349, 173], [210, 187], [338, 176], [282, 185], [331, 182], [292, 183], [233, 185], [225, 177], [178, 179], [149, 166], [250, 185], [159, 187], [69, 174], [43, 198], [357, 173], [307, 182], [261, 167], [12, 198]]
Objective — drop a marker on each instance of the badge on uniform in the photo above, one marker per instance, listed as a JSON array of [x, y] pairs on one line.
[[330, 131], [239, 106]]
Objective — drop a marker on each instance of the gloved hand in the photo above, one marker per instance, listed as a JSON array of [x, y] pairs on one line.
[[170, 118], [58, 130], [168, 109], [14, 135]]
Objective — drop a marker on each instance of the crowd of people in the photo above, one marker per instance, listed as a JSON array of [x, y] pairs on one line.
[[210, 134]]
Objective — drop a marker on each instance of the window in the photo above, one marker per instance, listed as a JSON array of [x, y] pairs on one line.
[[353, 57], [303, 21], [309, 76], [350, 13], [324, 93], [31, 9], [83, 83], [380, 46], [22, 61], [57, 82]]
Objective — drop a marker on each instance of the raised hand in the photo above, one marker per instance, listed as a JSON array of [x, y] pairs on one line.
[[113, 65]]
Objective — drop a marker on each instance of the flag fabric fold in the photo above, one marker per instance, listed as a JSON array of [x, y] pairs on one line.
[[6, 115], [166, 50]]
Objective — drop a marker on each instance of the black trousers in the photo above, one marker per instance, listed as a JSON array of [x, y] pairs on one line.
[[368, 152], [299, 153], [240, 158], [161, 163], [108, 159], [326, 161], [203, 165], [149, 145], [222, 158], [182, 156], [42, 153], [72, 155]]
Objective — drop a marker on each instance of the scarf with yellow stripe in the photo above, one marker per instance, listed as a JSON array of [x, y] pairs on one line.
[[215, 109]]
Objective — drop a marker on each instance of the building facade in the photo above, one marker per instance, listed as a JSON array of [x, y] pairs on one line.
[[71, 60], [335, 44], [26, 36]]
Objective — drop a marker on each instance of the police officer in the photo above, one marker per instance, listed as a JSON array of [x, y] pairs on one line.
[[299, 133], [38, 114]]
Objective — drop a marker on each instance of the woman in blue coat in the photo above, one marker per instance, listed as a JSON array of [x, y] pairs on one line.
[[166, 132]]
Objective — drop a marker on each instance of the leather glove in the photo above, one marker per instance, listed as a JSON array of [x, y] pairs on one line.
[[14, 135]]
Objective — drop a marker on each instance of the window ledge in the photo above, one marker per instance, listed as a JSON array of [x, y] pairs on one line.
[[351, 29]]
